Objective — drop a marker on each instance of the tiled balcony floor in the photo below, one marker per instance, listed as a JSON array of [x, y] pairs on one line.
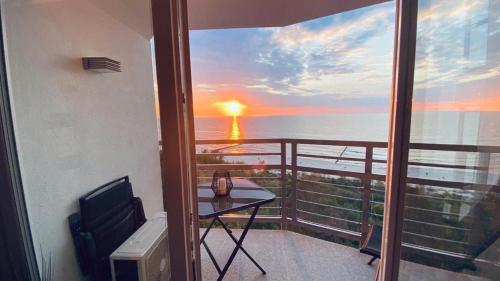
[[286, 255]]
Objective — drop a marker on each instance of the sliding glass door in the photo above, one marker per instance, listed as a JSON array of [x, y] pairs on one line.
[[451, 221]]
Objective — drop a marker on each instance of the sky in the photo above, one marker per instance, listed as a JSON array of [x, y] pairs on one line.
[[343, 62]]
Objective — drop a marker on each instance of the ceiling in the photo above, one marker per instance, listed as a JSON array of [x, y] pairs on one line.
[[219, 14]]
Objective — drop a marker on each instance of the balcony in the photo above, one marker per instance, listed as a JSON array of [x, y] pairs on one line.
[[287, 255], [333, 190]]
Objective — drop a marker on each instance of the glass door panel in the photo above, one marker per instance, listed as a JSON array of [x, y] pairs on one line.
[[452, 220]]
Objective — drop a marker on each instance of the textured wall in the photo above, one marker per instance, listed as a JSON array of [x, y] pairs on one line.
[[76, 129]]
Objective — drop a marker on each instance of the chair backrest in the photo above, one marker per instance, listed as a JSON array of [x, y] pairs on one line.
[[108, 216], [101, 205]]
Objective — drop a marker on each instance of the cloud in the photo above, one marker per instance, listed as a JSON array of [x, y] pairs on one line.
[[456, 43], [319, 59]]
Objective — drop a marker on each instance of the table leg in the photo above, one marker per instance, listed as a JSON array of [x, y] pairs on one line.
[[210, 255], [238, 244], [229, 232], [207, 230]]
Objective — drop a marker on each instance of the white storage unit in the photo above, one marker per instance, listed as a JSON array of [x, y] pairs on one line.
[[144, 256]]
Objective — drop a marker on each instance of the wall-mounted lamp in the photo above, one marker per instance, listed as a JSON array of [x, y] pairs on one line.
[[101, 64]]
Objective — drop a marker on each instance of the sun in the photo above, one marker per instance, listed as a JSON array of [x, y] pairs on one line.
[[231, 107]]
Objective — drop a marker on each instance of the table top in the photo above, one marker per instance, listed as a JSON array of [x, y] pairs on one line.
[[239, 199]]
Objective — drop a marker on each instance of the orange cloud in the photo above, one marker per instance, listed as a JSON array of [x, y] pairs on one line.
[[257, 108], [214, 105], [478, 98], [477, 104]]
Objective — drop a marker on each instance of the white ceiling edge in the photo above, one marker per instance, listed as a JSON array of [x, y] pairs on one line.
[[221, 14]]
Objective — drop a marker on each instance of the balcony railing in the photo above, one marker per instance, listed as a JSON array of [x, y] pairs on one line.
[[337, 188]]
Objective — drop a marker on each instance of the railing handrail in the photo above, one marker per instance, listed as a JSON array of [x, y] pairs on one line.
[[293, 140], [375, 144]]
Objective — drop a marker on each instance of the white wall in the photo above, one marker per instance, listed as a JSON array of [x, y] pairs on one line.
[[76, 129]]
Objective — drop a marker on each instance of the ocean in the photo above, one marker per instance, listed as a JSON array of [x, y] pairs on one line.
[[369, 127], [472, 128]]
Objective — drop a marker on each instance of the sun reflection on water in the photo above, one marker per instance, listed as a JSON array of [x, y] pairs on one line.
[[235, 130]]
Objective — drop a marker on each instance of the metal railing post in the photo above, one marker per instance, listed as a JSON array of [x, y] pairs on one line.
[[283, 187], [484, 167], [366, 192], [294, 181]]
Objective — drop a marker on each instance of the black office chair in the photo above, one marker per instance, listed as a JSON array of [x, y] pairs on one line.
[[108, 216]]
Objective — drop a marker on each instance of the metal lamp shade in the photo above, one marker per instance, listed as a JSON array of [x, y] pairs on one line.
[[220, 190]]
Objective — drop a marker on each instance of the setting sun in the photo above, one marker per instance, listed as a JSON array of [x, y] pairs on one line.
[[231, 107]]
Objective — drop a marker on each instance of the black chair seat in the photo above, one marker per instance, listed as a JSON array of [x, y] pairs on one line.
[[372, 244]]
